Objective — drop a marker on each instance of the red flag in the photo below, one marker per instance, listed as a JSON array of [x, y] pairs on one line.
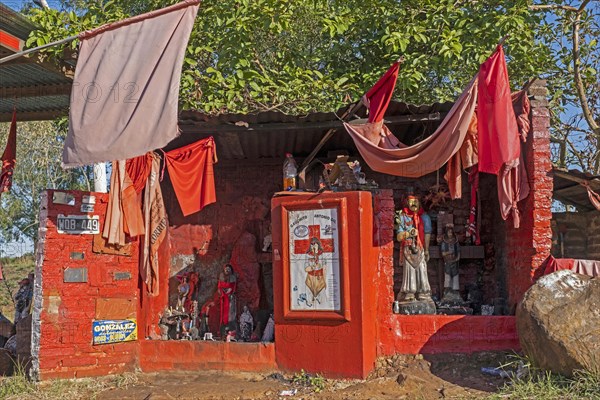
[[378, 98], [9, 157], [498, 131]]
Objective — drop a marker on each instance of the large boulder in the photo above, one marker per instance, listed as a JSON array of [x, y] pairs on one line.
[[558, 322]]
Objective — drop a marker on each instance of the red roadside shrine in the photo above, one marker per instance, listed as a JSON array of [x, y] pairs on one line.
[[78, 281]]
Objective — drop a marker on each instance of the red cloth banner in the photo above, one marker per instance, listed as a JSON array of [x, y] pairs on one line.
[[9, 157], [498, 131], [191, 172]]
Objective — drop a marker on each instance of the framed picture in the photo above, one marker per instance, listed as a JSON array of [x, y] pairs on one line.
[[315, 260]]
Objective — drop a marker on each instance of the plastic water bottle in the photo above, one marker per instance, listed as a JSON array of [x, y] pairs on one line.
[[290, 172]]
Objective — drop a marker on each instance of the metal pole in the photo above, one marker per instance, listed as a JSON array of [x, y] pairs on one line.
[[29, 51], [100, 181]]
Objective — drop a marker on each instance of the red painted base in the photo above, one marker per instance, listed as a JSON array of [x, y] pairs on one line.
[[184, 355], [427, 334]]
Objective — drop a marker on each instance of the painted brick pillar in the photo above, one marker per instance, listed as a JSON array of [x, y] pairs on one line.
[[528, 246], [383, 239]]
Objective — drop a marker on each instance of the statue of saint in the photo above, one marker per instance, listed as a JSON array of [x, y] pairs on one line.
[[450, 250], [246, 325], [414, 232], [226, 289]]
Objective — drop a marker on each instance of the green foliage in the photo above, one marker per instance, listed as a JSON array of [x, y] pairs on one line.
[[20, 387], [303, 56], [316, 383], [14, 269], [544, 385], [315, 55], [38, 167]]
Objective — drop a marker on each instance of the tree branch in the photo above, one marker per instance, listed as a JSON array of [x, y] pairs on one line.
[[553, 7], [587, 113]]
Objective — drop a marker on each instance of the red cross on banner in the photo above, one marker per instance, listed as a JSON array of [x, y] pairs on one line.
[[314, 231]]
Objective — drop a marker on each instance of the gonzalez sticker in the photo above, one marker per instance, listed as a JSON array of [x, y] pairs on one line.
[[301, 231], [114, 331]]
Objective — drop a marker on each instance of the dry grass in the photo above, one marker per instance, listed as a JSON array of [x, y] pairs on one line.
[[19, 387], [544, 385]]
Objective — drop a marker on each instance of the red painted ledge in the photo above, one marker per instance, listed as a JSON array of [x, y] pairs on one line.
[[186, 355], [429, 334]]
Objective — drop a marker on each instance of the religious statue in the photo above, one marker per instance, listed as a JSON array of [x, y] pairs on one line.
[[182, 292], [414, 233], [269, 332], [226, 289], [246, 325], [315, 269], [450, 250]]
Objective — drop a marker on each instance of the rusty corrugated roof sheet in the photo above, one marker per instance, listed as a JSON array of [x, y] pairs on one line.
[[569, 190], [39, 90], [272, 134]]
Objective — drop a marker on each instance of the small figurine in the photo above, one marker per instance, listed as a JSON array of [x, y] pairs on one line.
[[414, 232], [227, 287], [450, 250], [267, 241], [246, 325], [182, 291], [269, 333]]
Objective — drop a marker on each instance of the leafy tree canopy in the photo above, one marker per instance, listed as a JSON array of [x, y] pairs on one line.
[[315, 55]]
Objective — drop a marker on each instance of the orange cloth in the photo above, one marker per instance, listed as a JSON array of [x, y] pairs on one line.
[[138, 169], [191, 172], [466, 157]]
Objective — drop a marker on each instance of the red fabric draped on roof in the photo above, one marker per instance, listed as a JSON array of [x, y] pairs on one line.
[[9, 157], [497, 125], [380, 95], [424, 157], [191, 172]]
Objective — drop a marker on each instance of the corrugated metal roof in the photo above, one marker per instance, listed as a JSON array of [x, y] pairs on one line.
[[39, 89], [272, 134], [14, 23]]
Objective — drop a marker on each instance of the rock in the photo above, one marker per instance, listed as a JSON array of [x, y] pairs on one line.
[[558, 322]]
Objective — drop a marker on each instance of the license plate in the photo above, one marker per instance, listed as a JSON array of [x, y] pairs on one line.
[[78, 224]]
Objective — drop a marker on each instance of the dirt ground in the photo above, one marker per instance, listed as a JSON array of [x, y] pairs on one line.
[[399, 377]]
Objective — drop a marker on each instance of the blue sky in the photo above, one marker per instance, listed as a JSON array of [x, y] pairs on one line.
[[18, 4]]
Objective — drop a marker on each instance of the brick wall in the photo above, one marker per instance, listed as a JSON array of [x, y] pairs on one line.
[[593, 234], [527, 247], [63, 311], [244, 192], [569, 240]]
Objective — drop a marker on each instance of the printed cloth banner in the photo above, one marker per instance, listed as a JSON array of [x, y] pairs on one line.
[[9, 157], [126, 87], [155, 222]]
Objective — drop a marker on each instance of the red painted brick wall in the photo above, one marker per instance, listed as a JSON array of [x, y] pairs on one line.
[[65, 311], [528, 246], [244, 191]]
